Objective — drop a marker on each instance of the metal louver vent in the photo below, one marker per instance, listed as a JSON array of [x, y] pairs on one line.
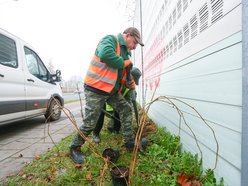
[[163, 31], [171, 47], [167, 51], [163, 53], [204, 15], [180, 39], [174, 16], [193, 26], [186, 33], [160, 35], [179, 9], [166, 28], [175, 43], [170, 22], [185, 4], [217, 10]]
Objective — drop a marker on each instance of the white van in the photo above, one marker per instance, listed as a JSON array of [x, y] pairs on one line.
[[27, 89]]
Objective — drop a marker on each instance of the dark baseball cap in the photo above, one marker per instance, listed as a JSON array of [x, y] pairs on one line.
[[135, 72], [135, 33]]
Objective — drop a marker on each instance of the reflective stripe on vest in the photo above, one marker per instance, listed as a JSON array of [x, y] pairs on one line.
[[100, 75], [109, 108]]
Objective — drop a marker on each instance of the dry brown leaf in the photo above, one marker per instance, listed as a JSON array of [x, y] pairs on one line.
[[186, 180], [144, 175], [37, 157], [167, 172], [26, 163], [56, 172], [196, 183], [77, 165], [89, 176], [183, 180], [30, 176], [21, 172]]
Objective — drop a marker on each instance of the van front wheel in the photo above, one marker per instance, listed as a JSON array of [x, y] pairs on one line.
[[53, 112]]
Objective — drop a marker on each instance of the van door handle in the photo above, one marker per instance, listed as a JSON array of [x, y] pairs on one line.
[[31, 80], [1, 75]]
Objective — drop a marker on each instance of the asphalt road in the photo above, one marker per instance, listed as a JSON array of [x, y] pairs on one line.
[[71, 96], [21, 142]]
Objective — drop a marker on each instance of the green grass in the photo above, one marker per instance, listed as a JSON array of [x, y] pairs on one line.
[[71, 101], [160, 164]]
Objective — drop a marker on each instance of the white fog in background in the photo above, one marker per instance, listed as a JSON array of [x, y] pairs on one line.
[[65, 32]]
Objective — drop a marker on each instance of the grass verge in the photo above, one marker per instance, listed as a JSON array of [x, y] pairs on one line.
[[163, 163]]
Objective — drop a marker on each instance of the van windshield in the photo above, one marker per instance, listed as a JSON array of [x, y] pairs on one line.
[[35, 65]]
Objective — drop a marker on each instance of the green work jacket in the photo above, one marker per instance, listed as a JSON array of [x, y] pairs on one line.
[[106, 51]]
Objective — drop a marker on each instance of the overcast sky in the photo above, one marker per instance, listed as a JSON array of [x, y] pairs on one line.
[[64, 31]]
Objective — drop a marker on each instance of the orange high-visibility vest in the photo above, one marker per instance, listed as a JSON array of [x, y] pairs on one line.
[[100, 75], [123, 80]]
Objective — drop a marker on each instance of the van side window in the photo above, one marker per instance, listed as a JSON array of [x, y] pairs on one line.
[[8, 52], [35, 65]]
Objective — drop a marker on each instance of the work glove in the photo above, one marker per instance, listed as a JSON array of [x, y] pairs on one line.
[[127, 63], [130, 84]]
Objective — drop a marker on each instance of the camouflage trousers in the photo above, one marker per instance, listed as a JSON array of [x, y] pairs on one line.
[[93, 105]]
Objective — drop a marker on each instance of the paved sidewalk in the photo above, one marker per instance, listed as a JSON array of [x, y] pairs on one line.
[[18, 148]]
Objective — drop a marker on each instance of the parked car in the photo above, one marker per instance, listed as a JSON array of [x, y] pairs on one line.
[[27, 88]]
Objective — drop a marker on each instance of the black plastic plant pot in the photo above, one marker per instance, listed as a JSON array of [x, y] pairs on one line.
[[111, 154], [119, 175]]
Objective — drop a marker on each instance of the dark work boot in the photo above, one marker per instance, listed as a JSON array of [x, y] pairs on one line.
[[96, 138], [76, 154]]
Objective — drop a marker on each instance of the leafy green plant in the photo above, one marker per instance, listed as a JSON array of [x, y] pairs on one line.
[[161, 164]]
